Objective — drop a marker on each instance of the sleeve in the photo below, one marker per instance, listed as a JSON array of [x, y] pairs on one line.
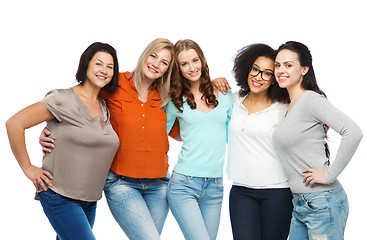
[[351, 134], [229, 111], [52, 102], [171, 112]]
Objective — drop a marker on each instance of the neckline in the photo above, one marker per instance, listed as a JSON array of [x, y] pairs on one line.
[[241, 99], [219, 97], [85, 111], [296, 104]]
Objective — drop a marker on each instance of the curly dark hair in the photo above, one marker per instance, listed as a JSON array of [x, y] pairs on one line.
[[243, 61], [181, 86]]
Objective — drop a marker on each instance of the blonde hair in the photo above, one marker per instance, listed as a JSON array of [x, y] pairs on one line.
[[164, 82]]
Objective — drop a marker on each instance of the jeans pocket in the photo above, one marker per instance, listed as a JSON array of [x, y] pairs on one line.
[[111, 180], [219, 184], [177, 178], [317, 202]]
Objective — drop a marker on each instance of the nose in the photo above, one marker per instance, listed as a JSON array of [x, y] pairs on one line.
[[258, 77], [192, 68], [104, 70], [155, 63]]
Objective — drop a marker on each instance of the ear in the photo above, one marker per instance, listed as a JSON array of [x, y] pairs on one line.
[[305, 70]]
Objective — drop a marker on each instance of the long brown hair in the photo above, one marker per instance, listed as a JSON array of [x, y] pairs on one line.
[[181, 86]]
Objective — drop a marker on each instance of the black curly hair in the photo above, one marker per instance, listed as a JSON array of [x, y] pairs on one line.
[[243, 61]]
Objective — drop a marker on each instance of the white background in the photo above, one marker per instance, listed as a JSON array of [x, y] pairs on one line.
[[41, 42]]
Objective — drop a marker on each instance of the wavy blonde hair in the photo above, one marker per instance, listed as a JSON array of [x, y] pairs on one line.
[[164, 82]]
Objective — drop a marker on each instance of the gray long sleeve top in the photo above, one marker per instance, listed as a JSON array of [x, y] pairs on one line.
[[299, 140]]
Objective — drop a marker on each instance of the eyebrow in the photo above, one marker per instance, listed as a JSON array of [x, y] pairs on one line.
[[155, 54], [265, 68], [102, 61]]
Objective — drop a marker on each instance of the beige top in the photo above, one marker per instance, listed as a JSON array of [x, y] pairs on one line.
[[84, 146]]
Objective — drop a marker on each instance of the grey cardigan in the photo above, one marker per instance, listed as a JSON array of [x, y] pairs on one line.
[[299, 140]]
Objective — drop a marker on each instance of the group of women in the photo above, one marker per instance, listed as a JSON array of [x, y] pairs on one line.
[[109, 133]]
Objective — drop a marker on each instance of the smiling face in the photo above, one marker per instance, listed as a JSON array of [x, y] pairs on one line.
[[190, 64], [156, 64], [288, 70], [100, 69], [257, 84]]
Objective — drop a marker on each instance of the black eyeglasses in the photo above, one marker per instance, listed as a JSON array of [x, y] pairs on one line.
[[265, 75]]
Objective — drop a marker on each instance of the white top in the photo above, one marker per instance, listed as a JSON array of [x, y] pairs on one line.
[[252, 159]]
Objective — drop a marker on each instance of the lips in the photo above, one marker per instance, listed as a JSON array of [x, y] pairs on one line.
[[152, 70], [282, 78], [100, 77], [256, 84]]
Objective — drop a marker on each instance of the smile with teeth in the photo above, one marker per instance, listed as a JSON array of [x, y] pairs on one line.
[[152, 70], [101, 77], [256, 84], [193, 74], [282, 78]]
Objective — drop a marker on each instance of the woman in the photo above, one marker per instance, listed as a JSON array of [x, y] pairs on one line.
[[320, 202], [72, 176], [136, 186], [195, 191], [260, 200]]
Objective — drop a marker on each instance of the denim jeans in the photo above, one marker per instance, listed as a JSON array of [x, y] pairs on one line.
[[138, 205], [260, 213], [71, 219], [319, 215], [196, 204]]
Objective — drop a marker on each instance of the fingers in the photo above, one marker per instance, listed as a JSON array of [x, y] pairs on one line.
[[227, 86], [222, 85], [46, 132], [39, 177]]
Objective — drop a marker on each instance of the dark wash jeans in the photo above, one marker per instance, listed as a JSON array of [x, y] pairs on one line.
[[70, 218], [260, 214]]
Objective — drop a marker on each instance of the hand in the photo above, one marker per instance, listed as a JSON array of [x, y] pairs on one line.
[[326, 128], [46, 142], [38, 175], [222, 85], [313, 176]]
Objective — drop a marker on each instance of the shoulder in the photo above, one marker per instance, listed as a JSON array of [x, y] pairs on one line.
[[124, 77], [310, 95], [280, 106], [228, 97], [312, 100], [59, 93]]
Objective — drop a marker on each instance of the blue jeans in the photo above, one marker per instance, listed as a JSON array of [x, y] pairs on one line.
[[260, 213], [71, 219], [196, 204], [138, 205], [319, 215]]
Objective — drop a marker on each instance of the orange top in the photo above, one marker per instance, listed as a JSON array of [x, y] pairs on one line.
[[141, 127]]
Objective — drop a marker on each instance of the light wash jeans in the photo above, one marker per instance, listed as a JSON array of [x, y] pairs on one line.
[[138, 205], [72, 219], [196, 204], [320, 215]]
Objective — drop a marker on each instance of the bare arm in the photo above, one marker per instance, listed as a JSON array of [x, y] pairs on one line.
[[15, 126]]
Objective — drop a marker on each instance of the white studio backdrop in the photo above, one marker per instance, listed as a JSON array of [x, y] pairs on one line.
[[42, 41]]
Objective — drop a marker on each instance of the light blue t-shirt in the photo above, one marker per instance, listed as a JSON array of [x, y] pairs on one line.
[[204, 137]]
